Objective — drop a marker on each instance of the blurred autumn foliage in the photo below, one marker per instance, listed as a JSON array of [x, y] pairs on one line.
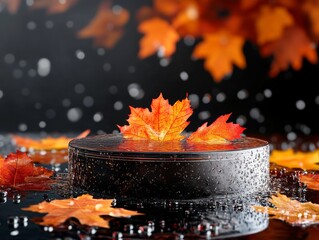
[[286, 30]]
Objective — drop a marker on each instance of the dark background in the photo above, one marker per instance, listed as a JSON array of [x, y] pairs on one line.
[[91, 87]]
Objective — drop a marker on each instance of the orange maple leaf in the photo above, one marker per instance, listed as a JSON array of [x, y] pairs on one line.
[[86, 209], [291, 159], [18, 171], [12, 5], [48, 143], [160, 37], [271, 23], [290, 50], [218, 132], [291, 211], [54, 6], [107, 26], [311, 180], [164, 122], [221, 50]]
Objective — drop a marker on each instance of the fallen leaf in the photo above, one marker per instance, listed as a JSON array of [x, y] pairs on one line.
[[221, 50], [271, 23], [159, 37], [107, 26], [291, 159], [291, 211], [219, 132], [18, 171], [164, 122], [54, 6], [12, 5], [290, 50], [86, 209], [48, 143], [311, 180]]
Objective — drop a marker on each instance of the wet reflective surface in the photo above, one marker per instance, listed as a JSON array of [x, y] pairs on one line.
[[200, 219]]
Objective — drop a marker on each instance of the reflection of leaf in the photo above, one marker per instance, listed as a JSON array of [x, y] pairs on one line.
[[86, 209], [291, 211], [290, 50], [107, 26], [48, 143], [289, 158], [164, 122], [168, 8], [18, 171], [12, 5], [221, 50], [218, 132], [311, 180], [54, 6], [160, 37], [49, 157], [271, 23]]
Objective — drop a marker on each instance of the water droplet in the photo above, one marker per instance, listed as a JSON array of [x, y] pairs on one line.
[[31, 25], [204, 115], [44, 67], [118, 105], [194, 98], [74, 114], [98, 117], [242, 94], [42, 124], [221, 97], [1, 94], [49, 24], [300, 105], [23, 127], [88, 101], [9, 58], [79, 88], [184, 76], [267, 93], [80, 54]]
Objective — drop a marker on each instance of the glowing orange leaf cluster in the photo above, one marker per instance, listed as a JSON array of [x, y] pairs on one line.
[[48, 143], [86, 209], [291, 159], [286, 30], [311, 180], [18, 171], [166, 123], [291, 211]]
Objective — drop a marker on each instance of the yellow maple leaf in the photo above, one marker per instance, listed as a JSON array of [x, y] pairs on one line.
[[86, 209], [221, 50], [291, 159], [160, 37], [271, 23], [291, 211]]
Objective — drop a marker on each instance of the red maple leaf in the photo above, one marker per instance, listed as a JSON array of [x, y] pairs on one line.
[[18, 171], [218, 132]]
